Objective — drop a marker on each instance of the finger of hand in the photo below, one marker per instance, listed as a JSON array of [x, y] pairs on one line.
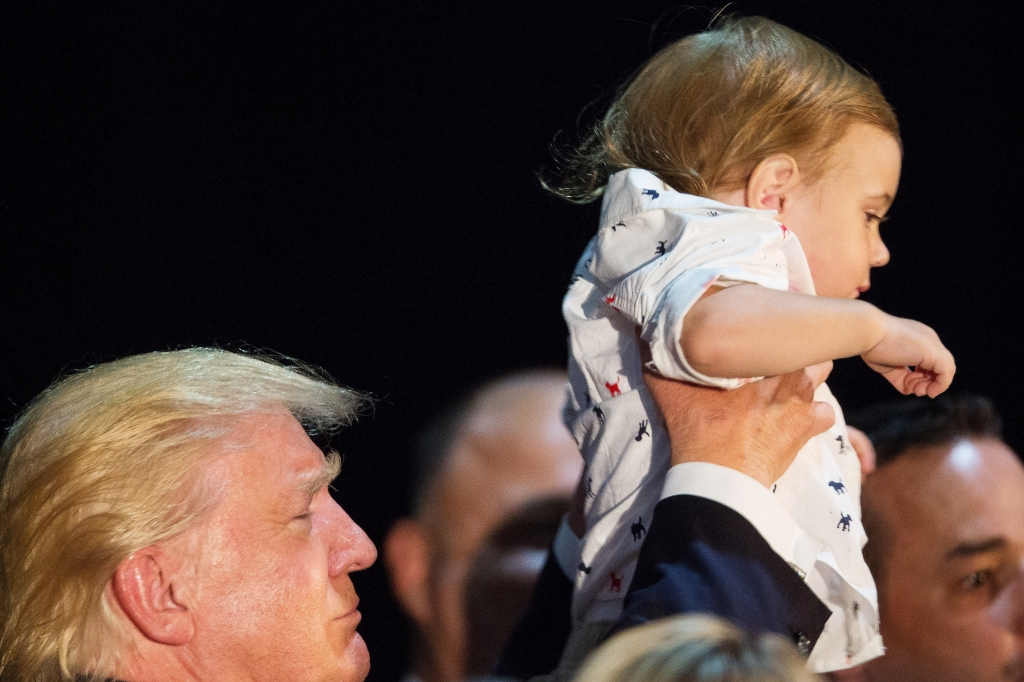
[[917, 382], [799, 384], [819, 372], [865, 450], [945, 369], [899, 377], [939, 367]]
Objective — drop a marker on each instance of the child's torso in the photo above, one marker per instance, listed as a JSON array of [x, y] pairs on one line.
[[656, 252]]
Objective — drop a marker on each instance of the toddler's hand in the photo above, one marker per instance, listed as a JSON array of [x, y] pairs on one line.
[[912, 358]]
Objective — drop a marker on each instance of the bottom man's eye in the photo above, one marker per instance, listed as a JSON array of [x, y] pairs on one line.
[[975, 580]]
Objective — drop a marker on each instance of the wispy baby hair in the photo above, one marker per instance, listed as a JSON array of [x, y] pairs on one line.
[[706, 109], [108, 461]]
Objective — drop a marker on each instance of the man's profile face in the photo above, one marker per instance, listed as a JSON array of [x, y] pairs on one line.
[[511, 450], [271, 592], [473, 501], [951, 589]]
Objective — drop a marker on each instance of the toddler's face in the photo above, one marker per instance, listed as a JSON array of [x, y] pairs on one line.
[[837, 216]]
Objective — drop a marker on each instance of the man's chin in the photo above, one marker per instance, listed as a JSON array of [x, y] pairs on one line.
[[357, 660], [349, 658]]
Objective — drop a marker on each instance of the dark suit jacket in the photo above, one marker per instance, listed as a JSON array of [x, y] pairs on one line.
[[699, 556]]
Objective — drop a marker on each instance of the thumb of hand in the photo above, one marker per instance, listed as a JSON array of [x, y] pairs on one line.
[[821, 419]]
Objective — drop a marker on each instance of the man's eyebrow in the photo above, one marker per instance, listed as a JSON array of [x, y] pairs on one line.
[[969, 549], [327, 473]]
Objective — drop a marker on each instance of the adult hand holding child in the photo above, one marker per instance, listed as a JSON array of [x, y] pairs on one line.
[[756, 429]]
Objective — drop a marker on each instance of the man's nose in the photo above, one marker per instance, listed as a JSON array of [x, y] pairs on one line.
[[351, 548], [1008, 608]]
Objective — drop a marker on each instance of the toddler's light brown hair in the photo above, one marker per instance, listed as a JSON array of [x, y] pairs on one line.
[[705, 110]]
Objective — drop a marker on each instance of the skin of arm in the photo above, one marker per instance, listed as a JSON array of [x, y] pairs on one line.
[[749, 330]]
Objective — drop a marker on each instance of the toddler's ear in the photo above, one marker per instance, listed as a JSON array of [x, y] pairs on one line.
[[772, 181]]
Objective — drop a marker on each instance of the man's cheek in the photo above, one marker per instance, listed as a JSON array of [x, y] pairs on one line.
[[285, 580]]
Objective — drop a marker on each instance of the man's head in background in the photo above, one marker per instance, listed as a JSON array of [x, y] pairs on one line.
[[501, 580], [944, 514], [166, 517], [479, 463]]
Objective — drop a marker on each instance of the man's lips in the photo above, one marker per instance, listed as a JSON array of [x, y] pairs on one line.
[[352, 615]]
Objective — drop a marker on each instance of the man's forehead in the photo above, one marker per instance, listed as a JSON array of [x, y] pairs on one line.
[[985, 468], [961, 492], [275, 446], [304, 467]]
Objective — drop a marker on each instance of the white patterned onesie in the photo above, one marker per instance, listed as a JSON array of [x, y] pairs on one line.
[[657, 251]]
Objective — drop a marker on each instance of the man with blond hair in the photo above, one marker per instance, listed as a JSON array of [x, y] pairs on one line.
[[166, 517]]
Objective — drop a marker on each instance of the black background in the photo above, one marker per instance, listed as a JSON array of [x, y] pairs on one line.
[[353, 185]]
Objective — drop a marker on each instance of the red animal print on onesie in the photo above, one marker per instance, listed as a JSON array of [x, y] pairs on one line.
[[613, 388], [616, 583]]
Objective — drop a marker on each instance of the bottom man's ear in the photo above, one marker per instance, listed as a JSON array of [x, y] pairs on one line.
[[408, 561], [144, 589]]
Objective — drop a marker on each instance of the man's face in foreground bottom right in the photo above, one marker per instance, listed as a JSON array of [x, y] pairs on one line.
[[951, 581]]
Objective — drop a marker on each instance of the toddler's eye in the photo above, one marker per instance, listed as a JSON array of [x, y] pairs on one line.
[[875, 217]]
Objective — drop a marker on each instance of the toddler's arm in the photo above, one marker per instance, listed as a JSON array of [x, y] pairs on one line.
[[749, 330]]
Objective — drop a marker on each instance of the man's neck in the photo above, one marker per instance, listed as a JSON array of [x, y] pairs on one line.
[[156, 663]]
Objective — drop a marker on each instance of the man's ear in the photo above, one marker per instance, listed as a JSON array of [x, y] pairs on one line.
[[407, 557], [772, 181], [144, 589]]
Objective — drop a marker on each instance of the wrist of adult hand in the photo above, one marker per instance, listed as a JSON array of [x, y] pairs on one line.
[[729, 455]]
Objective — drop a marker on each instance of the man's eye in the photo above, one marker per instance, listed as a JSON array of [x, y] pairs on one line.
[[975, 580], [308, 514]]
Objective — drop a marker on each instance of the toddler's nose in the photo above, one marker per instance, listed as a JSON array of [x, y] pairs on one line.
[[879, 253]]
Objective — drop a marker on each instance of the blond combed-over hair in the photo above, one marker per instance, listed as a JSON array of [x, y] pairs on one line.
[[694, 648], [705, 110], [108, 461]]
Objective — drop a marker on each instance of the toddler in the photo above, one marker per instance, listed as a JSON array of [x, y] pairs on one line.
[[745, 171]]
